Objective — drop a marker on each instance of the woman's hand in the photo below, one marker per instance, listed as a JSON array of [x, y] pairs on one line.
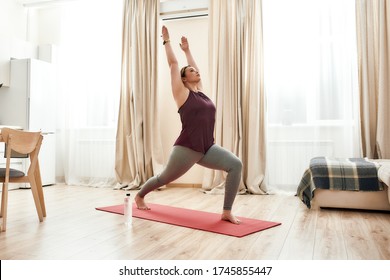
[[184, 44], [165, 33]]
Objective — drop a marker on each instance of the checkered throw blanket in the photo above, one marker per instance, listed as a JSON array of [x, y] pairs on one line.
[[350, 174]]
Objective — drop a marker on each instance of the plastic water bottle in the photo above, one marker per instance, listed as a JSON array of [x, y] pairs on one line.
[[128, 210]]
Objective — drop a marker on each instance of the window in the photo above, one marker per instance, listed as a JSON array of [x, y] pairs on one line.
[[310, 61]]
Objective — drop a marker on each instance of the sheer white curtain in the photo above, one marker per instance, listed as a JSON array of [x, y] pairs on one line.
[[311, 85], [89, 65]]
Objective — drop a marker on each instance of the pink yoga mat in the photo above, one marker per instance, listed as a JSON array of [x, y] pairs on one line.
[[195, 219]]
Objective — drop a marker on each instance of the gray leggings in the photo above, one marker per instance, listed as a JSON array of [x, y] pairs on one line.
[[182, 159]]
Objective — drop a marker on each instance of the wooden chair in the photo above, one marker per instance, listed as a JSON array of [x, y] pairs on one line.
[[28, 144]]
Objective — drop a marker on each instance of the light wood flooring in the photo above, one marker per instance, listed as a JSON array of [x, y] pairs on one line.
[[74, 230]]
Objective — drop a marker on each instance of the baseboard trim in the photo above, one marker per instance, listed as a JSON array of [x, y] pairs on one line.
[[183, 185]]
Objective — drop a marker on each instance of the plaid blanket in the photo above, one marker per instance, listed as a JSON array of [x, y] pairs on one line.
[[350, 174]]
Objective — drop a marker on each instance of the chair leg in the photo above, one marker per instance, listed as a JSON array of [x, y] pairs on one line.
[[2, 198], [36, 196], [38, 181], [4, 203]]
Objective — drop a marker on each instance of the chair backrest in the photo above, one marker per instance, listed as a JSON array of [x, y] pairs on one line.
[[22, 142]]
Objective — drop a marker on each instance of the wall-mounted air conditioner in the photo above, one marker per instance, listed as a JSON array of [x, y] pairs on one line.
[[41, 3], [178, 9]]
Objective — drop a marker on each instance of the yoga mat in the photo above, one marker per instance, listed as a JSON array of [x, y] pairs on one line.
[[195, 219]]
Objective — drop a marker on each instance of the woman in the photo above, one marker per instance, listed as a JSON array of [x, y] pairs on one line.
[[196, 141]]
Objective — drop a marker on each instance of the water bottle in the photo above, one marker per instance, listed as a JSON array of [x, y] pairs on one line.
[[128, 210]]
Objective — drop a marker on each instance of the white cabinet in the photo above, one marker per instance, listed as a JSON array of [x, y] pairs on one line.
[[47, 159], [29, 103], [13, 48], [5, 53]]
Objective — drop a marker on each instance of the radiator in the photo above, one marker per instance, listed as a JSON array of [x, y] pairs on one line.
[[288, 160], [95, 158]]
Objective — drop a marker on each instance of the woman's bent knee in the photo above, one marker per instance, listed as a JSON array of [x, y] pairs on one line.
[[236, 165]]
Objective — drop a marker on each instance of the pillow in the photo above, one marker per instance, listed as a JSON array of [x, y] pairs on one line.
[[384, 176]]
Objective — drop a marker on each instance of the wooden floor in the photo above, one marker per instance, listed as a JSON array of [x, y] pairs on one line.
[[74, 230]]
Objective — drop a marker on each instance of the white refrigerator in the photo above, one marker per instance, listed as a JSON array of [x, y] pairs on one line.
[[29, 103]]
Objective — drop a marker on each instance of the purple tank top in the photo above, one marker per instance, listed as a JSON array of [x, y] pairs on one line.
[[197, 116]]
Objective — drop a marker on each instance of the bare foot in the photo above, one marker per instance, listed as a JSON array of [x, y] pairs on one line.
[[228, 216], [141, 203]]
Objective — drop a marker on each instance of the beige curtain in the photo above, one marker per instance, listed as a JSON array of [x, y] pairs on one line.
[[373, 29], [236, 76], [138, 145]]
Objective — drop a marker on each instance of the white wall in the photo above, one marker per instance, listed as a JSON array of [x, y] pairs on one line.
[[13, 36], [45, 25], [13, 19]]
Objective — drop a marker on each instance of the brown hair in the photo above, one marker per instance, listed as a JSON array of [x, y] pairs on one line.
[[183, 71]]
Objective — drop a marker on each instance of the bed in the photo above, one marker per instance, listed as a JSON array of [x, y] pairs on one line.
[[355, 183]]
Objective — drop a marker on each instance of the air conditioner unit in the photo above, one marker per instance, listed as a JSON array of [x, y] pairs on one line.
[[178, 9], [41, 3]]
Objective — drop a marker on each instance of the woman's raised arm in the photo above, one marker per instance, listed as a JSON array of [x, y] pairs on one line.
[[179, 91], [190, 59]]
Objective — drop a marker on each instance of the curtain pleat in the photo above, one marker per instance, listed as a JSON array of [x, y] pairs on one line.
[[373, 30], [138, 145], [254, 129], [383, 133]]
